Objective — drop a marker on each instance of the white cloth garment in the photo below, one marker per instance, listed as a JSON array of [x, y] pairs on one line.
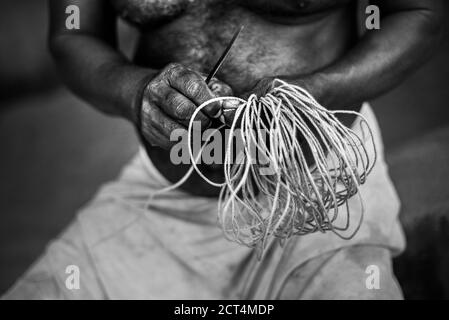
[[176, 250]]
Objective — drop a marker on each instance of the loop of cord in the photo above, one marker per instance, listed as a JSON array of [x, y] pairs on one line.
[[316, 165]]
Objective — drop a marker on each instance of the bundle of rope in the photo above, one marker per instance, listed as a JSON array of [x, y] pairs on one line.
[[316, 164]]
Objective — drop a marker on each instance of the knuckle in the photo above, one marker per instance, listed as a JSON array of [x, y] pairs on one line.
[[171, 99], [193, 87], [145, 110], [164, 127], [154, 90], [174, 70], [169, 127], [172, 65], [183, 110], [153, 86], [148, 116]]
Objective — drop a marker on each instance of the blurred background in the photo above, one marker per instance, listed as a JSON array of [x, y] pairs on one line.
[[55, 151]]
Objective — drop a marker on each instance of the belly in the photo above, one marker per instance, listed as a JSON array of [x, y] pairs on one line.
[[265, 48]]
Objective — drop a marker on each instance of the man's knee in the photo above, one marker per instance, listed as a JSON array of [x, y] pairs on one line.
[[358, 272]]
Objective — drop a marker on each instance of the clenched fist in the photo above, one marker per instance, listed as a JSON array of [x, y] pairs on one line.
[[170, 99]]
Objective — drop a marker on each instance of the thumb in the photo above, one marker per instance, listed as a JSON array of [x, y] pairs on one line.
[[220, 89]]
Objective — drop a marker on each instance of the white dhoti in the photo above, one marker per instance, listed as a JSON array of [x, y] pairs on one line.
[[176, 250]]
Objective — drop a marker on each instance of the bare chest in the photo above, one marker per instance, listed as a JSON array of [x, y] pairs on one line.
[[144, 12]]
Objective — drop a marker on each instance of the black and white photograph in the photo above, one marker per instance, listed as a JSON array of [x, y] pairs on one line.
[[224, 150]]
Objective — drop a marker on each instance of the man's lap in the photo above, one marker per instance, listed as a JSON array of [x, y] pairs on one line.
[[347, 273], [339, 274], [175, 249]]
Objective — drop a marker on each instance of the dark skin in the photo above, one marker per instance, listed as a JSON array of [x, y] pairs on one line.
[[311, 43]]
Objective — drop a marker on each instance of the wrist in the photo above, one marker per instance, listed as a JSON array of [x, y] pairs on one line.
[[131, 84], [135, 109], [315, 84], [123, 85]]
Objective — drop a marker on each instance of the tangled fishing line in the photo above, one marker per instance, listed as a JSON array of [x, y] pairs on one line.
[[316, 165]]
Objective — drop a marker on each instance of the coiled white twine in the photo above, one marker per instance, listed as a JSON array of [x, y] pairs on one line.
[[298, 196]]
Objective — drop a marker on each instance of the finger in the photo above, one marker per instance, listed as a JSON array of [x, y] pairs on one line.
[[173, 103], [180, 107], [228, 116], [231, 104], [192, 85], [157, 123], [157, 140], [219, 88]]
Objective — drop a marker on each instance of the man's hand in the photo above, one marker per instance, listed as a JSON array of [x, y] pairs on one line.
[[265, 85], [170, 99], [262, 87]]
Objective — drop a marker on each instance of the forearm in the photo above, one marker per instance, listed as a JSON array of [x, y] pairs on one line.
[[99, 74], [380, 61]]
